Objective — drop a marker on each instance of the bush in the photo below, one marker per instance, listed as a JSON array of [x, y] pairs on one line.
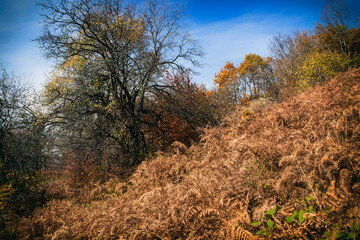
[[319, 67]]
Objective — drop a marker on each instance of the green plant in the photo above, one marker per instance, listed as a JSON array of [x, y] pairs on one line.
[[246, 117], [268, 218], [335, 233], [300, 215]]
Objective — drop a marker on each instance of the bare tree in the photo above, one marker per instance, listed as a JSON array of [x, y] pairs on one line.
[[20, 128], [112, 55], [339, 30], [288, 53]]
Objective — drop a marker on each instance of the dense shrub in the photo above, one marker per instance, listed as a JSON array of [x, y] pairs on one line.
[[21, 154], [319, 67]]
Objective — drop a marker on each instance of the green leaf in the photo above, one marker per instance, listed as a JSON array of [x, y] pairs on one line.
[[356, 227], [260, 232], [256, 223], [339, 235], [295, 214], [290, 219], [309, 198], [350, 235], [269, 213], [270, 225], [311, 209], [301, 216], [277, 208], [272, 212]]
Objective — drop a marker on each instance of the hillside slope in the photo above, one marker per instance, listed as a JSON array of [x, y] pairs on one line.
[[300, 158]]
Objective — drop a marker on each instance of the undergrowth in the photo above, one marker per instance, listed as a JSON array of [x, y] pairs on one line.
[[286, 171]]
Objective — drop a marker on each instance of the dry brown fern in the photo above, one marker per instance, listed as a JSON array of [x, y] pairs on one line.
[[212, 190], [237, 232]]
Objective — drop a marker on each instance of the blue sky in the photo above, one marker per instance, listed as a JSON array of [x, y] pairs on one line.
[[227, 30]]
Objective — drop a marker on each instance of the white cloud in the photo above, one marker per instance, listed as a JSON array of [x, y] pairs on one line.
[[222, 41], [231, 40]]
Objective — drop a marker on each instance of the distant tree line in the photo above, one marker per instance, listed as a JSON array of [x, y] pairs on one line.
[[298, 61]]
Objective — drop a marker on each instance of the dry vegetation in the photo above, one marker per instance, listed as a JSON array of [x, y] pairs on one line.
[[302, 155]]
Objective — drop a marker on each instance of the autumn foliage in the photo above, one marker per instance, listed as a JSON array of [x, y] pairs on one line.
[[180, 112], [253, 77], [226, 75], [124, 144]]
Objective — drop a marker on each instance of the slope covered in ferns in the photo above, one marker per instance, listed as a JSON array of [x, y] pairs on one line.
[[288, 170]]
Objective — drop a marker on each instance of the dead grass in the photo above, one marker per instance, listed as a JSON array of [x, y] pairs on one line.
[[306, 148]]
